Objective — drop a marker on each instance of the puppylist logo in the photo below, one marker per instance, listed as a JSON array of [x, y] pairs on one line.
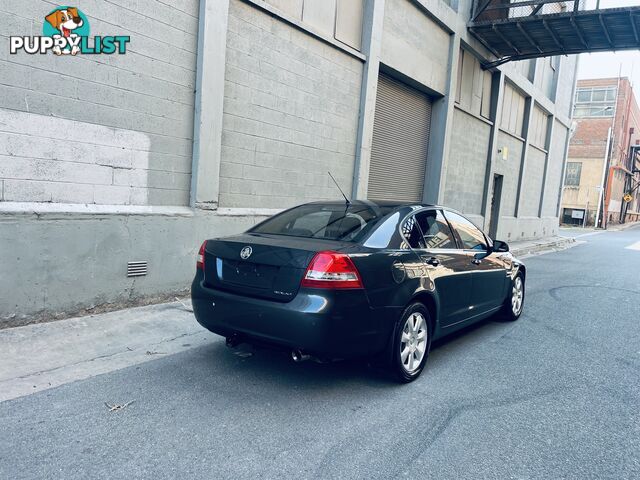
[[66, 32]]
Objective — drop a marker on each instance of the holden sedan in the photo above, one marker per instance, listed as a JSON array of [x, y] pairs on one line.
[[333, 280]]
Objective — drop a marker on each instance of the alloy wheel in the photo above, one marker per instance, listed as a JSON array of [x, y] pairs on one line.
[[413, 343], [517, 295]]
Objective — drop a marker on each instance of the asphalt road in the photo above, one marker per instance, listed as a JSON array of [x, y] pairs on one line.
[[554, 395]]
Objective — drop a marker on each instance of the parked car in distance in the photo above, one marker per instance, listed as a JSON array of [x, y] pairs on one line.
[[335, 280]]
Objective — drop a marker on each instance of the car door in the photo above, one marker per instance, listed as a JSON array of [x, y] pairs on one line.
[[447, 265], [489, 277]]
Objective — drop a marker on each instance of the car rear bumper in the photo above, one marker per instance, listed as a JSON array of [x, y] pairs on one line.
[[326, 323]]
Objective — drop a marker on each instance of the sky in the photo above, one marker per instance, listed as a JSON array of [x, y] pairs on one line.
[[608, 64]]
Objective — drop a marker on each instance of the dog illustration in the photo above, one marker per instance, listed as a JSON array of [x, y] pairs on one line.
[[66, 21]]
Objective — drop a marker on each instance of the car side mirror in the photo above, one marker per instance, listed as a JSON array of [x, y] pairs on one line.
[[500, 246]]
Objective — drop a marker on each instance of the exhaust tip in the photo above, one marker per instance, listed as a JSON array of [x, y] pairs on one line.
[[298, 356]]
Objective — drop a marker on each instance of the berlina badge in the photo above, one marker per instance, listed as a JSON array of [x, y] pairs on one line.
[[245, 253]]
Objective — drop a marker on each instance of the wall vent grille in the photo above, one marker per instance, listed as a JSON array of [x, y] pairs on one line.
[[136, 269]]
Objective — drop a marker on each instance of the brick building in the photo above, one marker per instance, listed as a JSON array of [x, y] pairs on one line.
[[594, 175], [222, 112]]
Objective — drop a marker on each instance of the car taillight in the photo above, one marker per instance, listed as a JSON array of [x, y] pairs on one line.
[[331, 270], [200, 260]]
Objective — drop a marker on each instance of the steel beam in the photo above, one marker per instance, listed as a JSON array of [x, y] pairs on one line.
[[528, 37], [633, 27], [505, 39], [536, 9], [579, 33], [482, 8], [605, 30], [485, 43], [553, 36]]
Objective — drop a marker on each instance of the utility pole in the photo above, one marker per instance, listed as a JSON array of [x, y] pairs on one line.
[[605, 165], [601, 216]]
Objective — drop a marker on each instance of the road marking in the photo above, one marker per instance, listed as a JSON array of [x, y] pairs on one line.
[[578, 235], [587, 234], [634, 246]]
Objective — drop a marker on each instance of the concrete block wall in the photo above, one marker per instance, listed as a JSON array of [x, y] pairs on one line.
[[555, 170], [415, 45], [546, 71], [100, 129], [64, 264], [510, 169], [118, 130], [466, 167], [564, 93], [532, 183], [290, 113]]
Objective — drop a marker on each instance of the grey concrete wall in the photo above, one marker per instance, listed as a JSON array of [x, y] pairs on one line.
[[67, 115], [546, 75], [510, 169], [564, 94], [290, 113], [415, 45], [209, 103], [532, 183], [66, 263], [554, 170], [512, 229], [118, 131], [467, 163]]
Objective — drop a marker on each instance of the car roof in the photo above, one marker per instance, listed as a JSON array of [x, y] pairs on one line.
[[377, 203]]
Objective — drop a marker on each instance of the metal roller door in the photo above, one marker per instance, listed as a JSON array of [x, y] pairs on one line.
[[400, 141]]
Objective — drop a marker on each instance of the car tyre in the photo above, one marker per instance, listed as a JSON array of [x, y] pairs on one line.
[[411, 343], [514, 303]]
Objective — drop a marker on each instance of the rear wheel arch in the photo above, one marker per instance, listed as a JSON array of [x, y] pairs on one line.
[[406, 338], [430, 303]]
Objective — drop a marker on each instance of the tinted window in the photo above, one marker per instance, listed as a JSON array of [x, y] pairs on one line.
[[472, 238], [435, 230], [328, 221], [411, 234]]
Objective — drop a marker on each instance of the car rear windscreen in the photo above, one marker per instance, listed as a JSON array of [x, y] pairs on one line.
[[330, 222]]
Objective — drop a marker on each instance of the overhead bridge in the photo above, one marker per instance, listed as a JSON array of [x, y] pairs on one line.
[[525, 29]]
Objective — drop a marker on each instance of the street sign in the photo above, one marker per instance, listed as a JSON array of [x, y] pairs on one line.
[[627, 197]]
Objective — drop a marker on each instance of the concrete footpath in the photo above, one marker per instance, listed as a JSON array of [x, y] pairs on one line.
[[46, 355], [545, 245]]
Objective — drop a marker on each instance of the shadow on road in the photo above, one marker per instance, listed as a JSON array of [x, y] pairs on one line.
[[276, 367]]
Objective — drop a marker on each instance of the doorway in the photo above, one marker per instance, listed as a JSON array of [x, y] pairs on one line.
[[495, 205]]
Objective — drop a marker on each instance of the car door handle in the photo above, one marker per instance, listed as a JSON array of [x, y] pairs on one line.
[[433, 261]]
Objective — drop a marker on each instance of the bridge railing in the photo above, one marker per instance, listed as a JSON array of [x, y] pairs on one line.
[[495, 10]]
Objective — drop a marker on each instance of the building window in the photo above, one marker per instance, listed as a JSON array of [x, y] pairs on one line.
[[583, 95], [526, 68], [473, 91], [572, 178], [340, 19], [538, 128], [512, 110], [595, 102]]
